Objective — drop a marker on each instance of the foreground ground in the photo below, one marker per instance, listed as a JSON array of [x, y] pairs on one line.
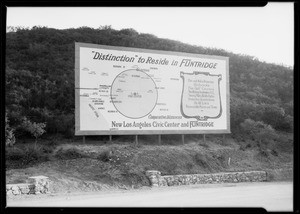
[[272, 196], [74, 166]]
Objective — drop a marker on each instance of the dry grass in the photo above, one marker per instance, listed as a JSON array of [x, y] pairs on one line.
[[98, 165]]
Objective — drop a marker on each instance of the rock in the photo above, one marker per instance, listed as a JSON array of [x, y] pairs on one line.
[[41, 184], [15, 190], [31, 188], [24, 189], [152, 172], [9, 192]]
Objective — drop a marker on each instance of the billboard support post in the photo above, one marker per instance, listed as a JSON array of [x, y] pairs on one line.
[[182, 137], [204, 139], [159, 139], [83, 139], [110, 139], [136, 140]]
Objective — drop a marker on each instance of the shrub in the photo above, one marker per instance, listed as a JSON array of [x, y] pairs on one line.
[[10, 139], [287, 124], [72, 153], [274, 152], [258, 130], [34, 154], [247, 145], [47, 149], [25, 157], [14, 154], [105, 156], [275, 116], [221, 159], [61, 124], [35, 129], [203, 145], [135, 178], [51, 143], [201, 161], [263, 153]]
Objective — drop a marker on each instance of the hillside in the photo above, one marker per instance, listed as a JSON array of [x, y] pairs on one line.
[[40, 75]]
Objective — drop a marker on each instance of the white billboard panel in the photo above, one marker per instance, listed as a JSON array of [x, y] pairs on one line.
[[121, 91]]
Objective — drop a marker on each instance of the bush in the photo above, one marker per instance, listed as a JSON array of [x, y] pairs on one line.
[[28, 156], [287, 124], [274, 152], [203, 145], [258, 130], [67, 154], [14, 154], [47, 149], [10, 139], [105, 156], [51, 143], [35, 129], [248, 146], [275, 116], [202, 161], [35, 154], [63, 124], [263, 153], [222, 160]]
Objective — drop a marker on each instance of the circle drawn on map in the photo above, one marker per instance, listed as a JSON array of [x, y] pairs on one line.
[[134, 93]]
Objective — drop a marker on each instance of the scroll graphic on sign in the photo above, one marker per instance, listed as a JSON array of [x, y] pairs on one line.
[[201, 97], [134, 93]]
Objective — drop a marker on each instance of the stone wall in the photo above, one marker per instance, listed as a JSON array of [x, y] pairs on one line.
[[18, 189], [36, 185], [156, 179]]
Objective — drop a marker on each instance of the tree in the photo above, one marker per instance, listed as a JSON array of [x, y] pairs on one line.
[[10, 139], [259, 131], [274, 115], [35, 129]]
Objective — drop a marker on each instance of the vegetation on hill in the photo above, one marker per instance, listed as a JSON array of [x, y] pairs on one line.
[[39, 79]]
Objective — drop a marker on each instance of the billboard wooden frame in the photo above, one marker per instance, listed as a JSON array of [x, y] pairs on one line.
[[79, 132]]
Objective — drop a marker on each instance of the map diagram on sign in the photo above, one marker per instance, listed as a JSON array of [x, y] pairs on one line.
[[200, 97], [134, 93]]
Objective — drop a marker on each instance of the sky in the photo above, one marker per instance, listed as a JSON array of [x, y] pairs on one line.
[[266, 33]]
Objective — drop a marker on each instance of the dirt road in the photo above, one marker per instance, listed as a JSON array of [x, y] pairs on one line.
[[273, 196]]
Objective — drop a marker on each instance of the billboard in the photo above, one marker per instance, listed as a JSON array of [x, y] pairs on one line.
[[120, 91]]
